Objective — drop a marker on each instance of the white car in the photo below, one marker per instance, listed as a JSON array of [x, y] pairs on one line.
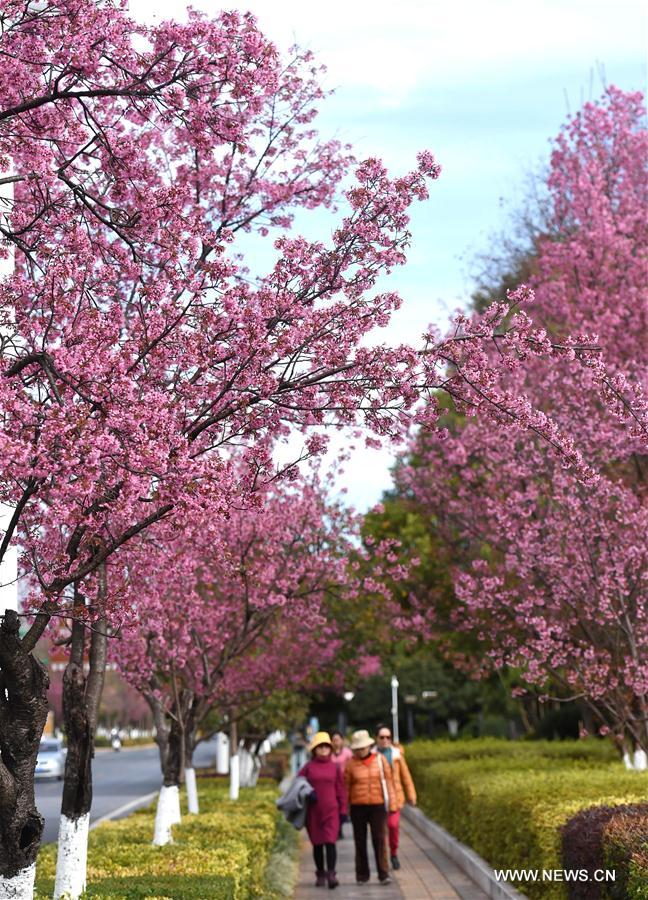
[[50, 762]]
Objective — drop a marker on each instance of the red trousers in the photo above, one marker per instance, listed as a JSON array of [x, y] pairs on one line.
[[393, 821]]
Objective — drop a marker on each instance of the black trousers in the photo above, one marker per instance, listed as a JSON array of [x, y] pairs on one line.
[[374, 817], [331, 857]]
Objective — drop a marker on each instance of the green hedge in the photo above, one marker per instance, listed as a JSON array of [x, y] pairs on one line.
[[223, 853], [508, 800], [589, 751]]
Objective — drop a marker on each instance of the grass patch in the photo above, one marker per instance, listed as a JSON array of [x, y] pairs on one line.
[[224, 853], [283, 866]]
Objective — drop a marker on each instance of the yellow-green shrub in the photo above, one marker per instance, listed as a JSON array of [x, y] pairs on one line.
[[221, 854], [591, 751], [508, 803]]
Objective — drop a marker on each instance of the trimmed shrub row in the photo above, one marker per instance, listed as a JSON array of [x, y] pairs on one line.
[[591, 751], [508, 801], [223, 853]]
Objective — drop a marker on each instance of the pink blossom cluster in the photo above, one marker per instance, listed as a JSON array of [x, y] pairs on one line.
[[231, 610], [139, 354], [554, 577]]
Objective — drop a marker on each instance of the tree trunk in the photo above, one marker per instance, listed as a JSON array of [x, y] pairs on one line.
[[168, 807], [257, 763], [193, 806], [235, 780], [173, 765], [23, 712], [81, 697], [169, 741]]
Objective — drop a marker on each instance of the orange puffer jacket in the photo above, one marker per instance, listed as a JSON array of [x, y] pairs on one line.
[[364, 783], [403, 782]]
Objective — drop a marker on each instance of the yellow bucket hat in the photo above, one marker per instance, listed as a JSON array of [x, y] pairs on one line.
[[322, 737]]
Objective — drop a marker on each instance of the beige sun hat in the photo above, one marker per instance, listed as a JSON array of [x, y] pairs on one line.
[[361, 739], [322, 737]]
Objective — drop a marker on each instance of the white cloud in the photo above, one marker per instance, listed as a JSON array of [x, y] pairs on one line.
[[482, 83], [392, 47]]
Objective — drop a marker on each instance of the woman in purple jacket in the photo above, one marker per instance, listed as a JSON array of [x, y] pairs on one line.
[[327, 808]]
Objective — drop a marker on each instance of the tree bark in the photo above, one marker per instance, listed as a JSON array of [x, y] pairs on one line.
[[77, 786], [169, 739], [23, 712], [173, 764], [190, 733], [81, 698]]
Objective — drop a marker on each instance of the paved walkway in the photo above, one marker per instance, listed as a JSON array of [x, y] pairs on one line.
[[426, 873]]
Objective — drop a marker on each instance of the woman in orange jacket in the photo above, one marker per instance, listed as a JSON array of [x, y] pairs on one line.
[[403, 785], [370, 786]]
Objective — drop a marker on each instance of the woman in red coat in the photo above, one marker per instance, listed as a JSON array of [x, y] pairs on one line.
[[327, 808]]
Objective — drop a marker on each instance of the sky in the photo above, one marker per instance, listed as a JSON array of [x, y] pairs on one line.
[[483, 85]]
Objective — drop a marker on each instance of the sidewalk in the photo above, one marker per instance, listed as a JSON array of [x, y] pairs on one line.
[[426, 873]]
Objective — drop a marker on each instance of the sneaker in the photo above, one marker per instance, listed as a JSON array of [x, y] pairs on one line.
[[395, 862], [385, 880], [362, 880]]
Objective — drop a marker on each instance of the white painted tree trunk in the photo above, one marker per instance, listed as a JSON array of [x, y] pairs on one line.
[[640, 761], [245, 766], [222, 753], [166, 815], [256, 769], [20, 887], [627, 760], [235, 780], [192, 793], [71, 857]]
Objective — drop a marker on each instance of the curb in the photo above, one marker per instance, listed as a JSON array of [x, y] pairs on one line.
[[466, 859], [127, 807]]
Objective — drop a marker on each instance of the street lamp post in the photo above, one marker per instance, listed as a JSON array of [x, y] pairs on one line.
[[394, 709]]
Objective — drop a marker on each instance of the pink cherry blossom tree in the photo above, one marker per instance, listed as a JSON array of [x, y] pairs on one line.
[[557, 583], [139, 356], [224, 617]]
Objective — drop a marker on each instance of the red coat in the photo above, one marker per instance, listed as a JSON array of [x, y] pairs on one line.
[[323, 816]]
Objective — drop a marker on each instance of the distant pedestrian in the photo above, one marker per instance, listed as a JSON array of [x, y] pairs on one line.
[[326, 808], [403, 786], [341, 755], [370, 784], [299, 752]]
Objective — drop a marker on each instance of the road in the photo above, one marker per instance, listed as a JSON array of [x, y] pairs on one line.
[[119, 778]]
